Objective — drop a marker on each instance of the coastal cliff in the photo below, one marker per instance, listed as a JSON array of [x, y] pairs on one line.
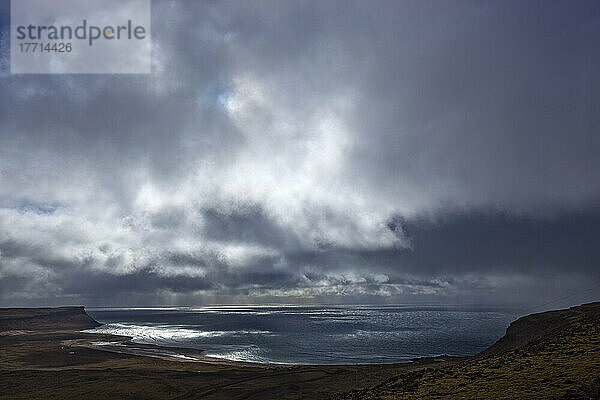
[[533, 327], [46, 319]]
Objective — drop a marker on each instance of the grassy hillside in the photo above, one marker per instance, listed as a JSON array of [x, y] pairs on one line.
[[550, 355]]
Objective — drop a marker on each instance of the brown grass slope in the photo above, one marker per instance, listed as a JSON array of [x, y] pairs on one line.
[[551, 355]]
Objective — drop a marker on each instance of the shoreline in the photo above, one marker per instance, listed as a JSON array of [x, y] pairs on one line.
[[126, 345], [43, 349]]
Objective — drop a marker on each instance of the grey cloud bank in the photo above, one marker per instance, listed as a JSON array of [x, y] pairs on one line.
[[312, 152]]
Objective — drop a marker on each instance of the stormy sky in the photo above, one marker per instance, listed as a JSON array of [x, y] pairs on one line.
[[312, 152]]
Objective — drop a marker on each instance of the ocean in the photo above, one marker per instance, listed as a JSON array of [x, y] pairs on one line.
[[312, 334]]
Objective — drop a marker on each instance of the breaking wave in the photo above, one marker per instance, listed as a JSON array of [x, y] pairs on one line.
[[161, 334]]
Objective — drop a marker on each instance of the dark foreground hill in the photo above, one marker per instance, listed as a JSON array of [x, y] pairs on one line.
[[550, 355]]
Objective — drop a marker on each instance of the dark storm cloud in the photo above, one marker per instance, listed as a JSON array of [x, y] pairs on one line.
[[249, 226], [479, 241], [495, 103], [312, 151], [83, 282]]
